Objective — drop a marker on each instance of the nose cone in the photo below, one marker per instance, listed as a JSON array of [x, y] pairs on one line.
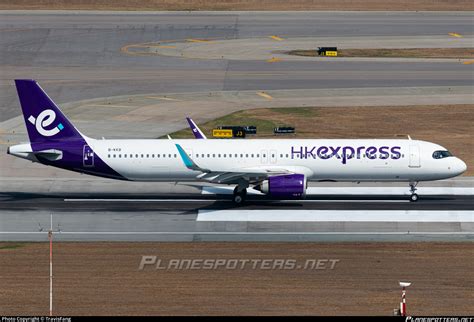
[[460, 167]]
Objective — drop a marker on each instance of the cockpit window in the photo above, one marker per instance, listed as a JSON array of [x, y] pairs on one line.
[[441, 154]]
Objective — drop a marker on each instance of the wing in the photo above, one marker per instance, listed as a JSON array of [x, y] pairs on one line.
[[231, 176]]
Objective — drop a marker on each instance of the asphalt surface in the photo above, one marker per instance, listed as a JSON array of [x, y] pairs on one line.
[[78, 56], [174, 217], [191, 202]]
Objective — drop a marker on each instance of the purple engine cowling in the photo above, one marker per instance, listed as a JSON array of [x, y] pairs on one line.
[[284, 186]]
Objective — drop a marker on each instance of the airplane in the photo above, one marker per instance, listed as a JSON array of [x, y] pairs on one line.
[[279, 168]]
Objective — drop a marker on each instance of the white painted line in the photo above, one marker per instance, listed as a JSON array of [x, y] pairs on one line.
[[368, 191], [228, 200], [336, 215], [141, 200], [242, 233]]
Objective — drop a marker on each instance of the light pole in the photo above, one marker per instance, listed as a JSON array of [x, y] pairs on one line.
[[50, 236], [403, 304]]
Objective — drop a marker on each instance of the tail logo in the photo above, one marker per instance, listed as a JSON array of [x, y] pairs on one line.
[[43, 120]]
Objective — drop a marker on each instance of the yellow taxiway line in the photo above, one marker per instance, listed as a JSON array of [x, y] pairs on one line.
[[265, 95], [454, 34], [273, 60], [276, 38], [197, 40]]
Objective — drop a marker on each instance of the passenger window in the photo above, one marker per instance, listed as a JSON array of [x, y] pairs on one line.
[[114, 155], [108, 156]]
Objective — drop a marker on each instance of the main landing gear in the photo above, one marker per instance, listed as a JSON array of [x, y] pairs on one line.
[[414, 196], [240, 192]]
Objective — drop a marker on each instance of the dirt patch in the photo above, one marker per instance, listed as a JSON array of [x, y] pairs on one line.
[[382, 5], [400, 53], [103, 278], [447, 125]]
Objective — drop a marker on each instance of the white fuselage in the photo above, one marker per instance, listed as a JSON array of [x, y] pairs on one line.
[[159, 160]]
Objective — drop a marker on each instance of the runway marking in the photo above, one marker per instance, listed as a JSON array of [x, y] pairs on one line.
[[229, 200], [198, 40], [277, 215], [469, 62], [454, 34], [273, 60], [264, 95], [163, 98], [239, 233], [276, 38], [141, 200]]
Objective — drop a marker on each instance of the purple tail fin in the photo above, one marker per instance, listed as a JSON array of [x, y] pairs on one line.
[[196, 130], [44, 120]]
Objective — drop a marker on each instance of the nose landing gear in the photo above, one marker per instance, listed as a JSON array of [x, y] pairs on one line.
[[414, 196]]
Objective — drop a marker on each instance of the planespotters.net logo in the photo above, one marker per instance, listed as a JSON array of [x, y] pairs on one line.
[[152, 262], [45, 119]]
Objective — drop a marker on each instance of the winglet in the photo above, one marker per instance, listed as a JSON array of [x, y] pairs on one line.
[[198, 134], [188, 162]]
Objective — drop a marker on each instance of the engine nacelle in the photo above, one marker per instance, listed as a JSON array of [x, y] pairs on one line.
[[284, 186]]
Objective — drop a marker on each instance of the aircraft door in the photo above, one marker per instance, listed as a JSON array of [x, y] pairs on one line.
[[88, 156], [414, 158]]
